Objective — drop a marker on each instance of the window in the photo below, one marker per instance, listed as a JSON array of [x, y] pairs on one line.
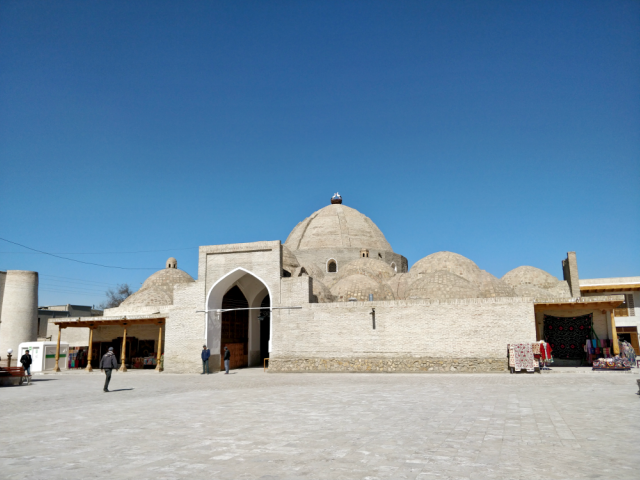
[[332, 266], [286, 273], [380, 255], [395, 269]]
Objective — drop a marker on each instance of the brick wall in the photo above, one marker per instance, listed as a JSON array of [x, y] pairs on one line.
[[184, 335], [460, 335]]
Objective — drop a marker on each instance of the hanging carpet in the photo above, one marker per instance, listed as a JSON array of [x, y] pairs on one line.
[[567, 335]]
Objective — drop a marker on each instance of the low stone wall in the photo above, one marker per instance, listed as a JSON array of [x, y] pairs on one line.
[[398, 365]]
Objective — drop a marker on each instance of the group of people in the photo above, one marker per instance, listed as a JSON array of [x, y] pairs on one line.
[[206, 354], [109, 363]]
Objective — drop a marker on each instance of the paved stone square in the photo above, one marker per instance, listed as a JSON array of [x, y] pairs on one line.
[[255, 425]]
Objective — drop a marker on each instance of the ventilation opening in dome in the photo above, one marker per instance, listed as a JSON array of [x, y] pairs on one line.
[[332, 266]]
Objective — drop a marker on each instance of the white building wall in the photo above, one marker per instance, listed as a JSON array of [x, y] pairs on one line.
[[185, 334], [462, 335]]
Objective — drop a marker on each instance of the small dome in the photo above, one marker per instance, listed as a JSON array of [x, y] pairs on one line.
[[370, 267], [526, 275], [400, 283], [359, 287], [492, 287], [449, 262], [337, 226], [532, 282], [159, 287], [321, 294], [148, 297], [172, 263], [442, 285]]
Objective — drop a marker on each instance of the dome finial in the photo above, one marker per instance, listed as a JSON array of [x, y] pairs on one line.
[[172, 263], [336, 199]]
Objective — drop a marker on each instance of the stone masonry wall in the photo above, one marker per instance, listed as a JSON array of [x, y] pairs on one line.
[[184, 335], [420, 335]]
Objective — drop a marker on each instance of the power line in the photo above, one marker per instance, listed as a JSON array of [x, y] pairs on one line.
[[74, 260], [79, 280], [37, 252]]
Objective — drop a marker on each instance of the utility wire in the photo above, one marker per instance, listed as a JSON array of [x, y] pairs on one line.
[[74, 260], [37, 252], [78, 280]]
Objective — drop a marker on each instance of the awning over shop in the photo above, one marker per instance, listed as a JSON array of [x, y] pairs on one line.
[[605, 303], [124, 321]]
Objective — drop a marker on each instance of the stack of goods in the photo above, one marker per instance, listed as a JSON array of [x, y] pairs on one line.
[[137, 362], [615, 363], [627, 351], [521, 356], [546, 358], [150, 360], [596, 348]]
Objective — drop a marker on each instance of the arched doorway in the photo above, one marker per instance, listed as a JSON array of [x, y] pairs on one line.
[[248, 331], [234, 328]]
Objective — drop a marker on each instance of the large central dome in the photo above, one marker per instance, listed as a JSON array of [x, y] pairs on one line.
[[337, 226]]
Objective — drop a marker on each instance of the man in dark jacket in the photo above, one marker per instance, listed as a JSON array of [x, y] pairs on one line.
[[227, 360], [26, 362], [107, 364], [206, 353]]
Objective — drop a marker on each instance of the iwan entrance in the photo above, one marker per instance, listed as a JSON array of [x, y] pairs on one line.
[[240, 304]]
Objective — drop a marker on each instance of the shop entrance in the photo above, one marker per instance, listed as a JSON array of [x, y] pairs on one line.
[[245, 325], [235, 328]]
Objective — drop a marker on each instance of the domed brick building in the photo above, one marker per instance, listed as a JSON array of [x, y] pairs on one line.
[[336, 297]]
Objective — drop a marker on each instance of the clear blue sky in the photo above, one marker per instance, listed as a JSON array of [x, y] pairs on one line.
[[507, 132]]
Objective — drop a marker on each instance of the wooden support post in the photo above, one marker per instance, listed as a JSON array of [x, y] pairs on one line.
[[614, 335], [89, 354], [159, 351], [123, 367], [57, 368]]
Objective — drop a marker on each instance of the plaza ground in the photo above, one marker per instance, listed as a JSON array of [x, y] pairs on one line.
[[255, 425]]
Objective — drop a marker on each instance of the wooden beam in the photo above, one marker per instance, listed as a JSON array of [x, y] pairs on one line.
[[159, 352], [100, 323], [123, 367], [610, 288], [57, 369], [89, 369], [614, 334]]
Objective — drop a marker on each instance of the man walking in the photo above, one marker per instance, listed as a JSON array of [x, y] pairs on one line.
[[26, 362], [205, 359], [227, 359], [107, 364]]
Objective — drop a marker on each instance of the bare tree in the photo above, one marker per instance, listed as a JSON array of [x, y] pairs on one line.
[[115, 296]]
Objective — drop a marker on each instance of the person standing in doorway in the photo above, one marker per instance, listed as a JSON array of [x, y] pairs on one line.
[[205, 359], [107, 364], [80, 359], [26, 362], [227, 360]]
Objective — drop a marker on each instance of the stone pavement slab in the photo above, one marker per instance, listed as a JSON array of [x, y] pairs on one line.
[[255, 425]]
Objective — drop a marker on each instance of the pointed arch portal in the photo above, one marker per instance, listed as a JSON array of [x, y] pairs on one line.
[[246, 328]]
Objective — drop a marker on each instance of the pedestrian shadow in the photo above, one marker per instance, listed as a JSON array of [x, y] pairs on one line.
[[120, 389], [33, 380]]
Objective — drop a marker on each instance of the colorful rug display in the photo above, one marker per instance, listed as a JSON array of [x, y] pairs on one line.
[[521, 357], [615, 363], [567, 335]]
